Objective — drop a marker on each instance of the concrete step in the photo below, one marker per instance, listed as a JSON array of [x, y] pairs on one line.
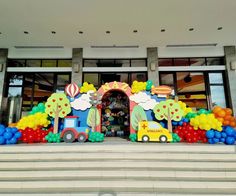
[[118, 186], [127, 147], [117, 156], [118, 175], [111, 165]]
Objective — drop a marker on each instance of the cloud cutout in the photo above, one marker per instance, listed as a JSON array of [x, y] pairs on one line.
[[82, 103], [144, 100]]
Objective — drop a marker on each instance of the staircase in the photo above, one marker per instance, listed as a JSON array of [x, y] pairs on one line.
[[117, 168]]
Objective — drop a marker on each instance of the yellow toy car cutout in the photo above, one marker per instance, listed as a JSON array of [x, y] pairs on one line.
[[153, 131]]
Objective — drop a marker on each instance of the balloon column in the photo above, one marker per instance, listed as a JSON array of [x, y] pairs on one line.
[[9, 135], [224, 115], [227, 136]]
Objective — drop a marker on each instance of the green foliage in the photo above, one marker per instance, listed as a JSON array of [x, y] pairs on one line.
[[39, 108], [138, 115], [96, 137], [53, 138], [175, 138], [161, 110], [133, 137]]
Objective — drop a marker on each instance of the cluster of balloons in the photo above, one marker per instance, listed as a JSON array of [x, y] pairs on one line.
[[30, 135], [34, 121], [9, 135], [96, 137], [224, 115], [206, 122], [87, 87], [227, 136], [133, 137], [181, 122], [39, 108], [175, 138], [53, 137], [149, 85], [184, 107], [187, 134], [138, 86]]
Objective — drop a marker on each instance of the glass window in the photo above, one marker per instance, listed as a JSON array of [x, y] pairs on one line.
[[141, 77], [122, 63], [15, 80], [168, 79], [49, 63], [218, 96], [63, 80], [197, 61], [16, 63], [215, 78], [14, 91], [124, 77], [165, 62], [33, 63], [91, 78], [215, 61], [65, 63], [181, 62], [107, 63], [90, 63], [138, 63]]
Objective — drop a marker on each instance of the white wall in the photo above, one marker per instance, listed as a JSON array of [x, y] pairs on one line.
[[59, 53], [165, 52]]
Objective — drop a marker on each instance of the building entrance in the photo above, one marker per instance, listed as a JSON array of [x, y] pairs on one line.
[[115, 114]]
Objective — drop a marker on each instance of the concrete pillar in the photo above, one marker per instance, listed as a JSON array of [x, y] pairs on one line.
[[77, 62], [152, 65], [230, 56], [3, 62]]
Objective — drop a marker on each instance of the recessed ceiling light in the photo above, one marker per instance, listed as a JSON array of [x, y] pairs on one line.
[[219, 28], [135, 31], [0, 33], [81, 32], [26, 32], [163, 30], [108, 32], [53, 32], [191, 29]]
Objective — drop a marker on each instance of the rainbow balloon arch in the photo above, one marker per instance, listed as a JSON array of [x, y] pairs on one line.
[[153, 114]]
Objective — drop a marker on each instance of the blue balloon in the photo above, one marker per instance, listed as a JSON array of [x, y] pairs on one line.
[[17, 135], [210, 134], [2, 129], [222, 140], [223, 134], [7, 135], [180, 123], [211, 141], [8, 129], [13, 140], [174, 123], [217, 135], [230, 140], [2, 140], [216, 140], [185, 120], [14, 129], [229, 131]]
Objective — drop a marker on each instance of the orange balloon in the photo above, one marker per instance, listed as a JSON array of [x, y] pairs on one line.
[[221, 113], [232, 124], [216, 109], [226, 122], [220, 119], [227, 117], [232, 118], [228, 111]]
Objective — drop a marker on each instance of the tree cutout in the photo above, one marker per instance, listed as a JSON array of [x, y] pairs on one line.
[[57, 105], [137, 116], [168, 110], [93, 118]]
